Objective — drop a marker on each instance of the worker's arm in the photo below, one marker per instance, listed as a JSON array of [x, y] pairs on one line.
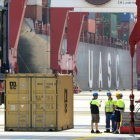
[[115, 106]]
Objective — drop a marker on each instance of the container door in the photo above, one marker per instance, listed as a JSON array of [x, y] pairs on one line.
[[17, 105], [44, 103], [65, 102]]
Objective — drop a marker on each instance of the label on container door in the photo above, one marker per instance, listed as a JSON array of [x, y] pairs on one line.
[[23, 85], [22, 106], [13, 107]]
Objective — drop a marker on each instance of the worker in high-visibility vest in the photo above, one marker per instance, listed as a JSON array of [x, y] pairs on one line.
[[94, 106], [119, 107], [109, 108]]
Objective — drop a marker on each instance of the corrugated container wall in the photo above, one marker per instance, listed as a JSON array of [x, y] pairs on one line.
[[127, 17], [106, 17], [106, 32], [34, 2], [98, 16], [89, 25], [34, 12], [118, 16], [38, 102]]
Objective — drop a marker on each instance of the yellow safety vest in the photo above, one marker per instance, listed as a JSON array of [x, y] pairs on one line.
[[121, 105], [94, 102], [109, 106]]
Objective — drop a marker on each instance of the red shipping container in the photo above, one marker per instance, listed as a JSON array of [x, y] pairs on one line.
[[34, 12], [89, 25], [98, 16]]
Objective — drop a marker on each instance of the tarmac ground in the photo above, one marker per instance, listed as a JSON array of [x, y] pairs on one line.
[[82, 119]]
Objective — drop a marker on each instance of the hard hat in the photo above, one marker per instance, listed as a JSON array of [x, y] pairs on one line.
[[118, 94], [109, 93], [121, 95], [95, 94]]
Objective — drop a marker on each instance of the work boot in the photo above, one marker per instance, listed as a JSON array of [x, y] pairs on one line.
[[97, 131], [116, 132], [92, 131], [107, 131]]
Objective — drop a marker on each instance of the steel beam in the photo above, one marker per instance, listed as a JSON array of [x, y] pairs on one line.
[[16, 11], [75, 23], [58, 22]]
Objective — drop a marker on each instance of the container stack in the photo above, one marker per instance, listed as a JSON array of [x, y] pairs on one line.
[[89, 28], [46, 16], [125, 28], [110, 29], [103, 28], [34, 10]]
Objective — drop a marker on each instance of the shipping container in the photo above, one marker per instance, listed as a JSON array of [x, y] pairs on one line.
[[106, 17], [128, 26], [38, 102], [98, 16], [89, 25], [46, 3], [34, 2], [127, 17], [113, 26], [91, 16], [34, 12], [106, 32], [118, 16], [45, 15]]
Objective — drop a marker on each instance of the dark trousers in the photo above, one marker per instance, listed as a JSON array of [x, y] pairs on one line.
[[108, 115]]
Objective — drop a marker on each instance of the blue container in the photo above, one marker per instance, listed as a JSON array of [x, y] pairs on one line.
[[91, 16], [127, 17]]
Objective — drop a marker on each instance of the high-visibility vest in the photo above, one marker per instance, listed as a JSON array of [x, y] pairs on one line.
[[120, 105], [94, 106], [115, 102], [109, 106], [94, 102]]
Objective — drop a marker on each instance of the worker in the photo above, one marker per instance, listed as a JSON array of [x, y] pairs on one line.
[[94, 106], [113, 117], [109, 108], [119, 107]]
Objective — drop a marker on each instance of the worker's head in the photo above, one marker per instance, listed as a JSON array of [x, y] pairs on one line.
[[109, 94], [95, 95], [121, 95], [118, 95]]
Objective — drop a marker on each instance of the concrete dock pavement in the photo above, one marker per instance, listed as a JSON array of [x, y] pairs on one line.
[[82, 120]]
